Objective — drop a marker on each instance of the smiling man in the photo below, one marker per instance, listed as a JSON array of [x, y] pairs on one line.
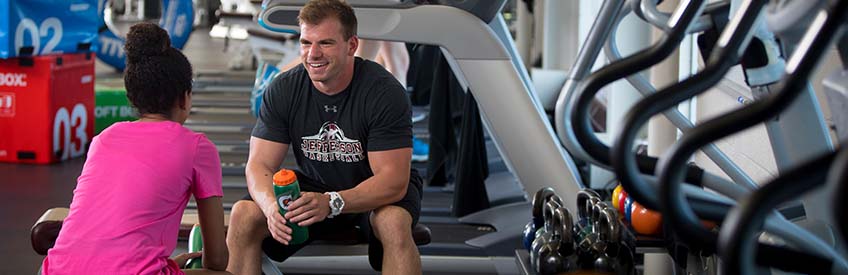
[[348, 121]]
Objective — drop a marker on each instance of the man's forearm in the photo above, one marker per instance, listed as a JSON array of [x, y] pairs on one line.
[[261, 188], [378, 190]]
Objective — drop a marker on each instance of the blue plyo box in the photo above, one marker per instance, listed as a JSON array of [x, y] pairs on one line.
[[40, 27]]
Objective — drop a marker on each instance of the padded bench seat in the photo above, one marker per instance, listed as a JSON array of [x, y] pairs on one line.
[[46, 229]]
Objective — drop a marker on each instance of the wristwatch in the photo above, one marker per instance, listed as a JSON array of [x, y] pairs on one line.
[[336, 204]]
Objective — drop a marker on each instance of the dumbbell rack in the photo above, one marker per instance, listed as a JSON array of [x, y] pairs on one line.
[[644, 245], [635, 244]]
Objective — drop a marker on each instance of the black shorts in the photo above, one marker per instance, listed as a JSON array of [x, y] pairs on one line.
[[411, 202]]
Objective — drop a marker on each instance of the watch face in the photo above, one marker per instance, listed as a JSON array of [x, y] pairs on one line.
[[337, 203]]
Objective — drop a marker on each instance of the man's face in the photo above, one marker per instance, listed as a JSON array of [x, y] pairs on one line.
[[323, 49]]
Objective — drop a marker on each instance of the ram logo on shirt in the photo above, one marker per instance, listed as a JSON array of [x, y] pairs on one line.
[[330, 144]]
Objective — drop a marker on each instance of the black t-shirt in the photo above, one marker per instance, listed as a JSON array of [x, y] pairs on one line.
[[332, 135]]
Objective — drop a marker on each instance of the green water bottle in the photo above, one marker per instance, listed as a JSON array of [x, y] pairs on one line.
[[287, 190], [195, 244]]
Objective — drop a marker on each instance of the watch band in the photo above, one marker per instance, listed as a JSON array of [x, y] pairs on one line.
[[336, 204]]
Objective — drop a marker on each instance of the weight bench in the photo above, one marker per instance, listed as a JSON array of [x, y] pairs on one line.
[[46, 229]]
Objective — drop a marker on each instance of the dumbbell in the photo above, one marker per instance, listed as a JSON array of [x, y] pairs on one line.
[[588, 236], [567, 228], [544, 234], [583, 197], [586, 200], [539, 199], [547, 213], [536, 222], [549, 261], [607, 245], [551, 258]]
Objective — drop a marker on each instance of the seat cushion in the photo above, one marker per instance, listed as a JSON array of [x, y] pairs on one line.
[[45, 231], [421, 234]]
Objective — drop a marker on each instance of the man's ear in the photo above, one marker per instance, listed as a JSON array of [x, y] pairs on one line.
[[353, 44]]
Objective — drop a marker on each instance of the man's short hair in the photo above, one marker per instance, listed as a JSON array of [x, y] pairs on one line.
[[315, 11]]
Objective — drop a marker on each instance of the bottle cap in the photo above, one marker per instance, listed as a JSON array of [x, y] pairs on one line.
[[284, 177]]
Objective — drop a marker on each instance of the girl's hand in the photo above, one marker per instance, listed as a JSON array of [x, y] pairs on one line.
[[182, 259]]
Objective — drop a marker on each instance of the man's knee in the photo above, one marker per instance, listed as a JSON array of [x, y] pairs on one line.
[[392, 225], [246, 222]]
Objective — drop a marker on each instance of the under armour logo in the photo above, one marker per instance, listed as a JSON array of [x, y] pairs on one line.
[[331, 108]]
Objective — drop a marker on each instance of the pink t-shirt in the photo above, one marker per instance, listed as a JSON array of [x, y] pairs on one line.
[[130, 197]]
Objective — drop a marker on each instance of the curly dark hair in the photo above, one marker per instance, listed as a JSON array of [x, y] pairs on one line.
[[157, 75]]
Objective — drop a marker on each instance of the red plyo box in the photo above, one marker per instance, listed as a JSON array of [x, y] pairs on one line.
[[46, 107]]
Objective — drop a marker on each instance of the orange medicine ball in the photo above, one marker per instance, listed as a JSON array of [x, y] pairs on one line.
[[645, 221]]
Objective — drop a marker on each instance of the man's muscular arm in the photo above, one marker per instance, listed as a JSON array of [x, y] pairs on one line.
[[263, 161], [388, 185]]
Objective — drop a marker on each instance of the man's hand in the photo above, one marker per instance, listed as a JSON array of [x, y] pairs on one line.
[[278, 228], [310, 208], [182, 259]]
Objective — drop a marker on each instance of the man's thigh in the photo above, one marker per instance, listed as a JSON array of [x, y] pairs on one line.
[[411, 203], [326, 229]]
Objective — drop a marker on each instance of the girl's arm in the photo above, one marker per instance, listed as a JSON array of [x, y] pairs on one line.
[[211, 214]]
